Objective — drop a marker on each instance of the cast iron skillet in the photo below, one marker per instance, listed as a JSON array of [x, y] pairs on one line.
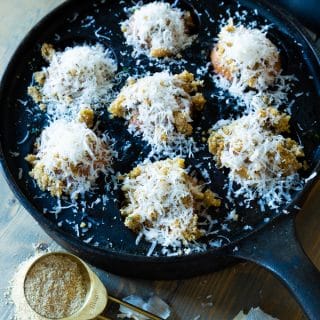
[[267, 238]]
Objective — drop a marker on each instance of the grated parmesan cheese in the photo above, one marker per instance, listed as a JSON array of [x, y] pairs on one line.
[[160, 108], [262, 162], [246, 57], [69, 158], [158, 29], [162, 202], [77, 76]]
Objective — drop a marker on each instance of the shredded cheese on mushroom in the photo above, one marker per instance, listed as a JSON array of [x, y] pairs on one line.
[[69, 158], [76, 77], [246, 57], [160, 107], [162, 202], [158, 29], [262, 162]]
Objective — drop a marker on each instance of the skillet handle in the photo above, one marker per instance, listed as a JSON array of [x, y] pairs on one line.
[[277, 249]]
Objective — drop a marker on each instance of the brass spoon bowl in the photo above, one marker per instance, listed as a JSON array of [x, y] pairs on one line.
[[96, 298]]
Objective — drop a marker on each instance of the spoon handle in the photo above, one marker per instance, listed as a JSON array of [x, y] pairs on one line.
[[134, 308]]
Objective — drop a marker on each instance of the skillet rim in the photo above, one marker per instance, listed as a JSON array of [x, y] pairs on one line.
[[55, 232]]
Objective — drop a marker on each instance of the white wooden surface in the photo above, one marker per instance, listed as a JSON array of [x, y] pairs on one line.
[[231, 290]]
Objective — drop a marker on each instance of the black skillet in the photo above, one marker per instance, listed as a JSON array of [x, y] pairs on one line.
[[267, 238]]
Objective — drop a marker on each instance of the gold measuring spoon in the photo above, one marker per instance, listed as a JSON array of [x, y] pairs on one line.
[[96, 297]]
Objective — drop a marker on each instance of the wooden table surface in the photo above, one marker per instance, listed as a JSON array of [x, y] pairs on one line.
[[218, 296]]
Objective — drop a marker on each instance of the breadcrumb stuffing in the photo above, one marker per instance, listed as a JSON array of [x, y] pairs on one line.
[[69, 158], [160, 107], [163, 202], [261, 160], [76, 76], [246, 57], [86, 115], [47, 51], [158, 29]]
